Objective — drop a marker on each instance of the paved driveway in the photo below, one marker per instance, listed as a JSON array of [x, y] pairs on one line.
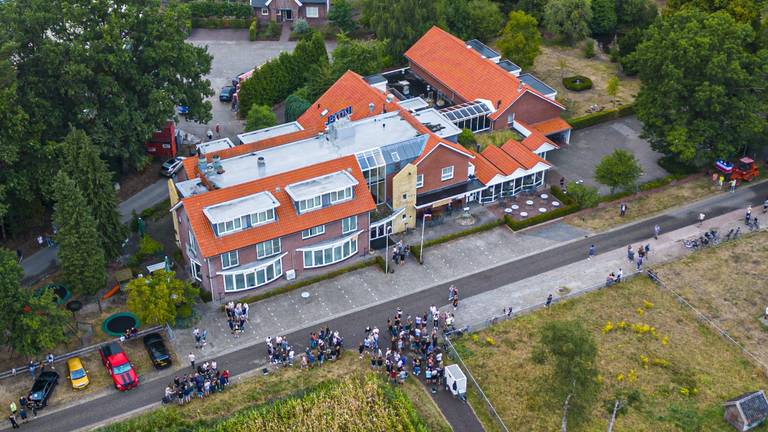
[[578, 160], [232, 54]]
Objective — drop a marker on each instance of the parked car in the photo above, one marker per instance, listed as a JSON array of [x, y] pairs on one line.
[[226, 93], [42, 389], [158, 353], [78, 376], [118, 366], [171, 166]]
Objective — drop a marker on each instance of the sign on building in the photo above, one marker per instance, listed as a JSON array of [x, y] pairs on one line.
[[345, 112]]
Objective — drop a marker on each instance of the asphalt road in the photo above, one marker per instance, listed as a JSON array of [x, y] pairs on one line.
[[352, 325]]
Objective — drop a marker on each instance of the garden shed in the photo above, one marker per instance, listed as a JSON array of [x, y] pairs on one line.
[[746, 411]]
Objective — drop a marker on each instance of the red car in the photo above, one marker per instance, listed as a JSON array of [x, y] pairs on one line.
[[118, 366]]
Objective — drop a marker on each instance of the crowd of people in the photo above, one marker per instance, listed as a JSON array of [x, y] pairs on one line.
[[323, 345], [203, 381], [237, 316], [400, 252], [412, 345]]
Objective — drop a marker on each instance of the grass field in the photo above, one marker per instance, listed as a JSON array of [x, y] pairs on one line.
[[696, 371], [642, 205], [342, 379], [497, 138]]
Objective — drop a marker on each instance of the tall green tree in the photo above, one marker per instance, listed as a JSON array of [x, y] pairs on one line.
[[295, 105], [634, 14], [520, 40], [568, 19], [341, 15], [115, 70], [80, 160], [535, 8], [603, 17], [80, 253], [155, 298], [619, 169], [744, 11], [628, 43], [11, 292], [259, 117], [363, 57], [570, 351], [701, 96], [401, 22], [39, 324], [474, 19]]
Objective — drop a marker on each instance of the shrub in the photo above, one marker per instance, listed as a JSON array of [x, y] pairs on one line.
[[673, 165], [273, 30], [416, 250], [467, 139], [149, 247], [301, 27], [577, 83], [259, 117], [600, 117], [564, 198], [589, 49], [583, 195], [184, 311], [253, 30]]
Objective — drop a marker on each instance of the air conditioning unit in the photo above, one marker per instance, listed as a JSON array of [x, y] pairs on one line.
[[290, 274]]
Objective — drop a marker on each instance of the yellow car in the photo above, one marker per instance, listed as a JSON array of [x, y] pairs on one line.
[[78, 376]]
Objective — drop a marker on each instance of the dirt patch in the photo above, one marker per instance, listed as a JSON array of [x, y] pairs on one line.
[[131, 184], [555, 62]]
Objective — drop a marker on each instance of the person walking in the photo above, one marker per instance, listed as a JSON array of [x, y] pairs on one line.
[[591, 252], [656, 232], [455, 298], [639, 263], [218, 130], [748, 215], [549, 301], [12, 419], [191, 358], [701, 219]]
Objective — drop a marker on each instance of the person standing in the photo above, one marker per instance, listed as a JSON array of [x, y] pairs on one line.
[[32, 368], [748, 215], [40, 241], [455, 298], [549, 301], [733, 185], [619, 275], [209, 134], [639, 263], [218, 130], [622, 209], [191, 358], [656, 232], [701, 218], [13, 408], [49, 360], [591, 252], [720, 181], [12, 419]]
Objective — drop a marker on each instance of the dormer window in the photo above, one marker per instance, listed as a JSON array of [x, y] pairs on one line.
[[310, 204], [322, 191], [341, 195], [242, 213]]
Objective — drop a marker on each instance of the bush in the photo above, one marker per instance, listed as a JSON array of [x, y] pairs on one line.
[[589, 49], [582, 195], [253, 30], [149, 247], [600, 117], [301, 27], [416, 250], [273, 30], [215, 23], [564, 198], [675, 166], [577, 83], [554, 214], [259, 117], [467, 139], [207, 9], [184, 311]]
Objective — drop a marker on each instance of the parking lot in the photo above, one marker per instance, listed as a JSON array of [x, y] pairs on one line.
[[577, 161], [232, 54]]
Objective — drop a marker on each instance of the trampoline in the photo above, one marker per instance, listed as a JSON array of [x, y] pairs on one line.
[[61, 292], [117, 324]]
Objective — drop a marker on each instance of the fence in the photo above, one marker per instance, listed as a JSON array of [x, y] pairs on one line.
[[78, 352]]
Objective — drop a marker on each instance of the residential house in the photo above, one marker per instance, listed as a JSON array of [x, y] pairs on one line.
[[314, 11]]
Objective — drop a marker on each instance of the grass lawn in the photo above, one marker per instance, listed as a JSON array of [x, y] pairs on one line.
[[287, 383], [728, 284], [497, 138], [643, 205], [700, 363]]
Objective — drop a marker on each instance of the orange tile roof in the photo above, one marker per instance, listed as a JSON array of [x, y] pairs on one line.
[[288, 221], [463, 70], [525, 157], [506, 163], [553, 125], [485, 171], [433, 142]]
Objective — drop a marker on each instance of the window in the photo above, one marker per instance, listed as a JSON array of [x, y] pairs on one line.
[[341, 195], [265, 11], [348, 224], [447, 173], [229, 259], [197, 270], [267, 248], [395, 157], [312, 232], [330, 254], [419, 181], [309, 204], [263, 217], [252, 278], [229, 226], [192, 245], [313, 12], [405, 197]]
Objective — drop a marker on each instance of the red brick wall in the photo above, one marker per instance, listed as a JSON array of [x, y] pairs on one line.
[[423, 74], [432, 166], [529, 108]]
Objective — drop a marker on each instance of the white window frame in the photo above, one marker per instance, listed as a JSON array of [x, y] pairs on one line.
[[351, 224], [340, 195], [236, 225], [419, 181], [446, 176], [192, 264], [313, 232], [315, 12], [228, 262], [310, 204], [262, 217], [252, 278], [274, 249], [265, 11], [192, 245], [328, 254]]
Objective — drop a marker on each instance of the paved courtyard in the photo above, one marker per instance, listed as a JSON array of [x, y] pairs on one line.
[[232, 54], [577, 161]]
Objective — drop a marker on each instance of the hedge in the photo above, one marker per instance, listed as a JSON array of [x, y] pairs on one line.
[[583, 83], [564, 198], [535, 220], [207, 9], [416, 250], [600, 117], [378, 261], [215, 23]]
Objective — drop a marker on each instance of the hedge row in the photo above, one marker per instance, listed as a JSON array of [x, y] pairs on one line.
[[216, 23], [515, 225], [416, 250], [206, 9], [379, 261], [564, 198], [577, 83], [600, 117]]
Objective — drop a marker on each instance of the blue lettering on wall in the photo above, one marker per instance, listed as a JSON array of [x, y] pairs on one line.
[[346, 112]]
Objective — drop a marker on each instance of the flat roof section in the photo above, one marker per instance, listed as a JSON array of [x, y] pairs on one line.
[[414, 104], [246, 205], [538, 85], [319, 185], [437, 123], [214, 146], [510, 67], [188, 188], [272, 131], [483, 49], [349, 138]]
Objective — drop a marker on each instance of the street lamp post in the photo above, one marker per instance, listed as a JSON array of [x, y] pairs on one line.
[[386, 248], [421, 248]]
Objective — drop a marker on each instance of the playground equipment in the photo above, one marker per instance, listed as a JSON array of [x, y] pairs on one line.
[[117, 324]]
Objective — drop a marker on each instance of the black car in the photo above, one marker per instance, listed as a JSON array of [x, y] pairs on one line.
[[158, 353], [227, 93], [42, 389]]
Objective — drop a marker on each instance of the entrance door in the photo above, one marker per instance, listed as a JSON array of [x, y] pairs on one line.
[[286, 14]]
